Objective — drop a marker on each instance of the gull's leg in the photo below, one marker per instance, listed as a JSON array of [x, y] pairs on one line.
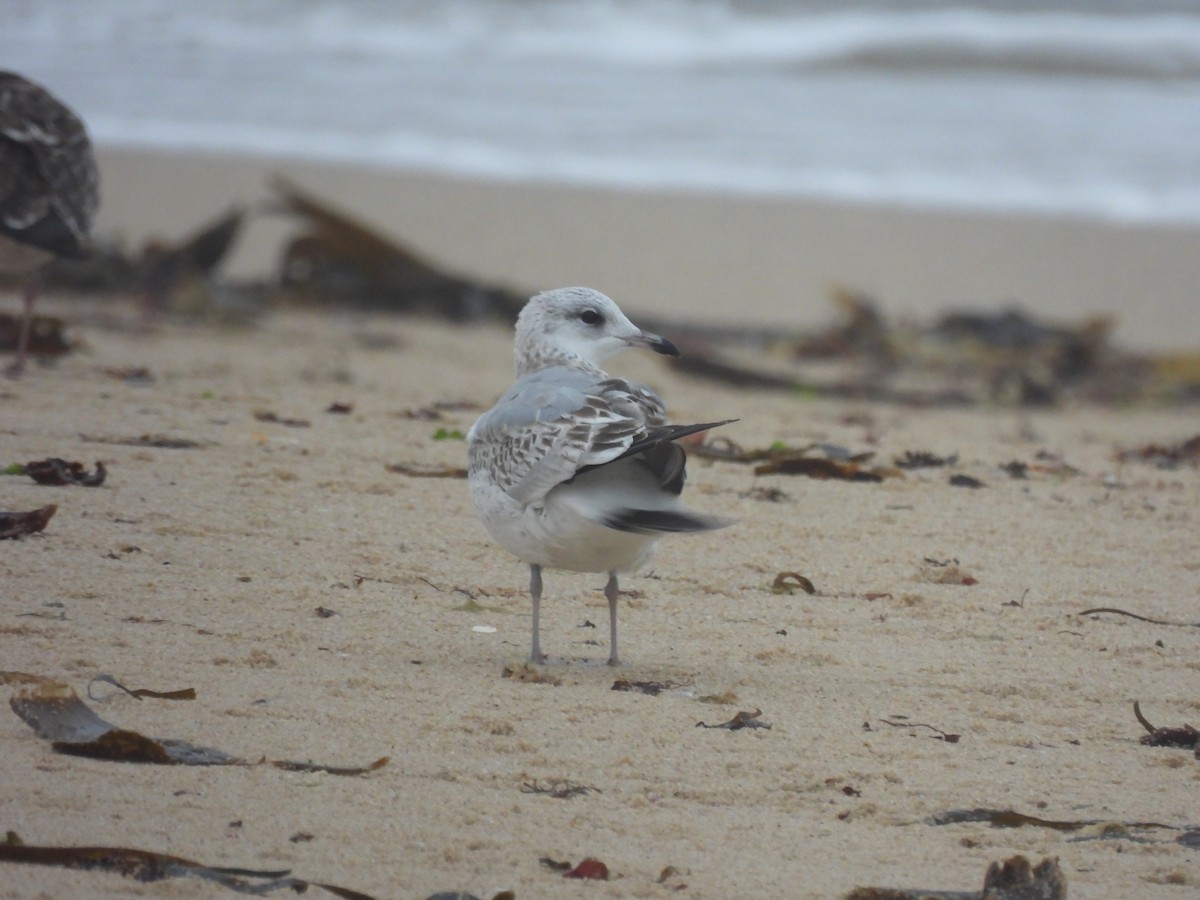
[[611, 592], [535, 593], [28, 297]]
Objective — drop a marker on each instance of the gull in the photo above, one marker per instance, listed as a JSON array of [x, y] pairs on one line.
[[49, 188], [573, 469]]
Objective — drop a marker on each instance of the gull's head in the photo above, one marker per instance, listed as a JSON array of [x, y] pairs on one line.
[[567, 325]]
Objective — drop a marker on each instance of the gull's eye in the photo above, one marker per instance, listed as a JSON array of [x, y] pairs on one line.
[[590, 317]]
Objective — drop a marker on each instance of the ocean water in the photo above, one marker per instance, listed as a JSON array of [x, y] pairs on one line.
[[1081, 107]]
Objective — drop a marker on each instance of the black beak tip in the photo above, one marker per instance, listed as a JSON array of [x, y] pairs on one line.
[[665, 347]]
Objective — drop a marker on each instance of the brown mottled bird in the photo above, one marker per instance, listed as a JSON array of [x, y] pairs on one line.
[[49, 187]]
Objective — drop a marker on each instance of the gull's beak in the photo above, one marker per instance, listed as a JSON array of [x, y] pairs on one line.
[[655, 342]]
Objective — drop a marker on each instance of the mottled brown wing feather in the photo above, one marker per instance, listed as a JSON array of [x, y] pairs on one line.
[[49, 182]]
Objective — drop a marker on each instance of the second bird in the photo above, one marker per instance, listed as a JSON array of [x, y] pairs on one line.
[[49, 188]]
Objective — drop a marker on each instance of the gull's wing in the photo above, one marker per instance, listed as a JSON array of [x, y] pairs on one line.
[[555, 422]]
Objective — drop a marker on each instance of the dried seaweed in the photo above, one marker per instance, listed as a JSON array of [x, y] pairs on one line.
[[17, 524], [1013, 879], [1165, 456], [140, 693], [742, 720], [923, 459], [1005, 818], [559, 790], [166, 270], [961, 480], [764, 494], [824, 468], [944, 571], [1016, 469], [55, 712], [417, 470], [1010, 818], [705, 362], [962, 358], [592, 869], [156, 441], [1185, 737], [667, 873], [11, 676], [121, 745], [702, 362], [434, 411], [726, 450], [292, 766], [1121, 612], [130, 374], [1049, 463], [150, 866], [266, 415], [653, 688], [55, 471], [340, 259], [940, 735], [789, 582], [530, 673]]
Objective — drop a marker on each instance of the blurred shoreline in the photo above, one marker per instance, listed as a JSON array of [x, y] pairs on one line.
[[719, 257]]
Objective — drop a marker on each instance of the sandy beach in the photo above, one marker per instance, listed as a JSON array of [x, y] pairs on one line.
[[209, 565]]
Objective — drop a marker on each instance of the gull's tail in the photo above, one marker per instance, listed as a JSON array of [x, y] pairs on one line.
[[661, 521], [639, 491]]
